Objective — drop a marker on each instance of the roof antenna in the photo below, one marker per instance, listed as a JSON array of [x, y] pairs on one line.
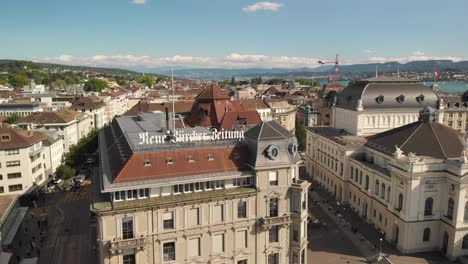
[[398, 71], [173, 99], [376, 70]]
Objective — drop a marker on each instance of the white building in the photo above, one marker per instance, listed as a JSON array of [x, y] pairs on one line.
[[22, 160], [93, 106], [63, 122], [378, 104]]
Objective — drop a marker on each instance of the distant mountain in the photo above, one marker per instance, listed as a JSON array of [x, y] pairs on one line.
[[321, 71]]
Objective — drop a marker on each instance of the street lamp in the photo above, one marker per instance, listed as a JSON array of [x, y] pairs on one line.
[[380, 251]]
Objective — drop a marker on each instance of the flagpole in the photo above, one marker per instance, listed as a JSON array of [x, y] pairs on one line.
[[173, 99]]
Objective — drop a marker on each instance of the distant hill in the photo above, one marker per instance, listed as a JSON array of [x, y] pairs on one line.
[[221, 74], [9, 65]]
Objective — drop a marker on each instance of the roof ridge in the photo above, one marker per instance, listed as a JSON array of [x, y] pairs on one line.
[[410, 136], [261, 129], [438, 141], [276, 130]]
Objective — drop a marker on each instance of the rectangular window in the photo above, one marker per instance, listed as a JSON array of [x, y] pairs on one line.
[[273, 258], [12, 152], [218, 243], [15, 188], [244, 261], [273, 177], [15, 175], [169, 251], [194, 247], [129, 258], [273, 234], [168, 220], [194, 216], [241, 239], [1, 189], [273, 207], [218, 213], [242, 209], [13, 163], [127, 228]]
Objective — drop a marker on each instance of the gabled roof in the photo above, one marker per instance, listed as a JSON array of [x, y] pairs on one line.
[[268, 131], [253, 104], [55, 117], [18, 138], [144, 106], [90, 102], [213, 92], [420, 138], [234, 119]]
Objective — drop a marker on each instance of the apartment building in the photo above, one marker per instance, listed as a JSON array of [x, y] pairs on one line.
[[95, 107], [199, 196], [283, 113], [22, 160]]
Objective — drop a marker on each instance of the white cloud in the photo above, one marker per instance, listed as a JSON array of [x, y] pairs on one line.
[[139, 2], [418, 53], [234, 60], [369, 51], [270, 6]]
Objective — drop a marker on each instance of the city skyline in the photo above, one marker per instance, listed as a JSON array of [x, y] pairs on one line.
[[225, 34]]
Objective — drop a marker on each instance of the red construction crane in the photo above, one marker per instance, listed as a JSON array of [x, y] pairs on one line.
[[337, 70]]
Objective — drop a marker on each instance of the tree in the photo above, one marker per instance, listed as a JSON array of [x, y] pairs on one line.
[[301, 135], [86, 145], [59, 83], [146, 79], [256, 80], [15, 117], [304, 81], [233, 80], [18, 80], [95, 85], [65, 172]]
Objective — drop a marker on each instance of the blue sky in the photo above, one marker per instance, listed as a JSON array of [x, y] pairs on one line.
[[231, 33]]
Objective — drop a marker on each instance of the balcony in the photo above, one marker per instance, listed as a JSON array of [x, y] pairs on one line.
[[119, 245], [267, 222], [300, 184]]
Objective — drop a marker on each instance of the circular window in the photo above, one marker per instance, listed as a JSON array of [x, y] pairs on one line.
[[293, 148], [236, 156], [400, 99], [420, 98], [272, 152], [379, 99]]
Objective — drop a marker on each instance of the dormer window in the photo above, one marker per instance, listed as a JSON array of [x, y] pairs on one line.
[[379, 99], [147, 163], [169, 161], [420, 98], [210, 157], [5, 138], [236, 156], [243, 121], [400, 99], [190, 159]]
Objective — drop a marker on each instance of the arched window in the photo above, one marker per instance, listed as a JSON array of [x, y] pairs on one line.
[[367, 182], [388, 194], [465, 242], [400, 202], [427, 234], [465, 216], [428, 206], [450, 209], [382, 192], [377, 187]]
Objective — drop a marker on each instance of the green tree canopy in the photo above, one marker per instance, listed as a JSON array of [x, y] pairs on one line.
[[95, 85], [275, 81], [304, 81], [301, 135], [146, 79], [18, 80], [15, 117], [256, 80], [65, 172]]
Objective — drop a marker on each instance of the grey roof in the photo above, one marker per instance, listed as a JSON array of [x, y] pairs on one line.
[[421, 138], [268, 131], [391, 88]]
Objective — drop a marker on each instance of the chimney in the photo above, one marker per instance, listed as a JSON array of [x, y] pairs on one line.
[[167, 118]]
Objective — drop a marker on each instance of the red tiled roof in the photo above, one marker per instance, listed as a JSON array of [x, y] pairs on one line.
[[135, 170], [233, 119], [53, 117], [144, 107], [253, 104], [213, 92], [90, 102], [180, 106], [18, 138]]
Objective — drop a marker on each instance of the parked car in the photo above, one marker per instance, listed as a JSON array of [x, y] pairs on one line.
[[57, 181], [80, 178]]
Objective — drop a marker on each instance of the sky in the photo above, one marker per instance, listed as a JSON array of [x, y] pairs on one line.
[[231, 33]]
